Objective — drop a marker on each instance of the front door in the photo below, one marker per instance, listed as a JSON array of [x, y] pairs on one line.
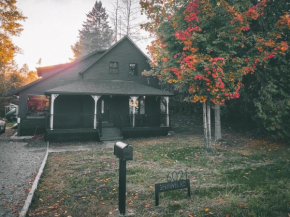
[[105, 109]]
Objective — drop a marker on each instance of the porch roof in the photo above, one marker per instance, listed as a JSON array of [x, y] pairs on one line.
[[111, 87]]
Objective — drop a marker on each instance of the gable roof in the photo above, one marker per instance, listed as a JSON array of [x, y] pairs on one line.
[[58, 68], [55, 69], [111, 48], [108, 87]]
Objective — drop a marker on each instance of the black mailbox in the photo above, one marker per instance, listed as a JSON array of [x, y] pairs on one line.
[[123, 151]]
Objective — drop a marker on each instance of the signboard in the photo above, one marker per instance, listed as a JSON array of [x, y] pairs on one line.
[[174, 183]]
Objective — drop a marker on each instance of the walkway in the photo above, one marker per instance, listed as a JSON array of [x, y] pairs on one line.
[[18, 166]]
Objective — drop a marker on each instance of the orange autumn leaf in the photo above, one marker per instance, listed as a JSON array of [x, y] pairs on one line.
[[147, 205], [206, 209]]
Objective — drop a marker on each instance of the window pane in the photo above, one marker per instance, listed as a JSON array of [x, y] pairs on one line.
[[133, 69], [37, 105], [142, 106], [103, 107], [163, 105], [113, 67], [131, 105]]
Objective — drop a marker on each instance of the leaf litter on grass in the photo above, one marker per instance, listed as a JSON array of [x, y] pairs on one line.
[[225, 180]]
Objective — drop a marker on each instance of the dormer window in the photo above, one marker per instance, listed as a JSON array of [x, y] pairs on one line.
[[133, 69], [114, 68]]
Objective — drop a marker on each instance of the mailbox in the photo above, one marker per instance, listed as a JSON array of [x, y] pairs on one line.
[[123, 151]]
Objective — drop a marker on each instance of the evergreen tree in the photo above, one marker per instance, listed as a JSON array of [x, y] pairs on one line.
[[96, 33]]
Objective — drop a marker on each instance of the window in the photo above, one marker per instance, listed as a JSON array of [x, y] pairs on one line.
[[139, 106], [37, 105], [114, 68], [133, 69], [142, 106], [163, 105], [103, 107]]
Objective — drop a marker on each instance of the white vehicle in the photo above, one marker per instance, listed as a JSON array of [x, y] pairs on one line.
[[2, 126]]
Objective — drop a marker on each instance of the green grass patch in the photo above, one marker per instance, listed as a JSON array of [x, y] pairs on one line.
[[228, 180]]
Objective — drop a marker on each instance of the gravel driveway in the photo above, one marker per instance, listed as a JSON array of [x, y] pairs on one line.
[[19, 164]]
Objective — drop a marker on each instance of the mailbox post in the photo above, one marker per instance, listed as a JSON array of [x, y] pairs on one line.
[[124, 152]]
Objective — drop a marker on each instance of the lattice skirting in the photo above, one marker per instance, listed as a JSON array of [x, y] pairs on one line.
[[145, 132], [69, 136]]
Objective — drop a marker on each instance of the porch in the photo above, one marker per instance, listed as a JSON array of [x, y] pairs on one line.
[[80, 127], [77, 115]]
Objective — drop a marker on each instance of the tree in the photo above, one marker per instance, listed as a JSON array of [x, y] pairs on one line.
[[265, 102], [96, 33], [114, 18], [9, 26], [126, 19], [131, 10], [206, 47]]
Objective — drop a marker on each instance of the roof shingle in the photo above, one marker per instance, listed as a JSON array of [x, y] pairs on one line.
[[112, 87]]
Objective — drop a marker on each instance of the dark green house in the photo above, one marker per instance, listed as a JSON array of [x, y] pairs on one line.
[[100, 96]]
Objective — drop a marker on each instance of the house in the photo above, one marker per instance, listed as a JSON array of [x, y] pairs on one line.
[[99, 96]]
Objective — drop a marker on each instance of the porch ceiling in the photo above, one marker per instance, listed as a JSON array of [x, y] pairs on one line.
[[112, 87]]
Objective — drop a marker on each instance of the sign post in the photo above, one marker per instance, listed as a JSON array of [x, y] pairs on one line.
[[122, 187], [124, 152]]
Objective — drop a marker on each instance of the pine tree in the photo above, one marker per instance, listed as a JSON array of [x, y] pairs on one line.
[[96, 33]]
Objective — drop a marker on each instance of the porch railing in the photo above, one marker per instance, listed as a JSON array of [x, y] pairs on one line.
[[158, 120], [71, 121], [81, 121]]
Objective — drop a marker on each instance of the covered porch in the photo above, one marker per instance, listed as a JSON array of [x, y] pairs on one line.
[[101, 109]]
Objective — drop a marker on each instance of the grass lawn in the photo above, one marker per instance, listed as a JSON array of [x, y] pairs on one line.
[[244, 177]]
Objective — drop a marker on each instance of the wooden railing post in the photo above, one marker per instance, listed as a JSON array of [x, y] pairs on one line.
[[96, 98], [52, 98]]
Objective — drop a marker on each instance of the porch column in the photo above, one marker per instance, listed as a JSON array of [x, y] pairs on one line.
[[96, 98], [52, 98], [134, 98], [167, 110]]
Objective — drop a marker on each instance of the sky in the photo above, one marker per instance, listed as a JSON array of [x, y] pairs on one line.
[[51, 28]]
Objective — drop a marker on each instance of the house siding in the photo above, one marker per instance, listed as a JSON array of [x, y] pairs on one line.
[[124, 53], [71, 74]]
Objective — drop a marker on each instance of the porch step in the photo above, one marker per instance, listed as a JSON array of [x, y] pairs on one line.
[[110, 134], [106, 124]]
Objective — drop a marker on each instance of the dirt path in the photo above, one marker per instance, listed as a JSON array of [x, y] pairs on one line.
[[18, 166]]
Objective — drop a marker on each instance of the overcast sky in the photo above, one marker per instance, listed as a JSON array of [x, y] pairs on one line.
[[51, 28]]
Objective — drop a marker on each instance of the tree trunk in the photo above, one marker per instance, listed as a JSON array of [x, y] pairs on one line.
[[217, 122], [208, 123], [205, 131]]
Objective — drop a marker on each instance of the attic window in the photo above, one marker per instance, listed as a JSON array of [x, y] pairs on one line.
[[133, 68], [114, 68]]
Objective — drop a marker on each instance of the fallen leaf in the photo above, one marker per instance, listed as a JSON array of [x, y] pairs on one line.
[[147, 205], [228, 215], [220, 200], [150, 187], [206, 209]]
